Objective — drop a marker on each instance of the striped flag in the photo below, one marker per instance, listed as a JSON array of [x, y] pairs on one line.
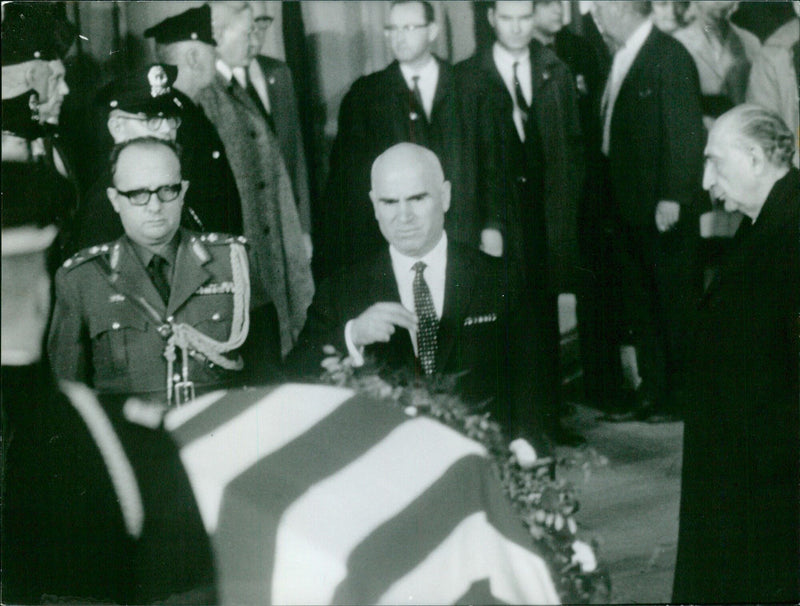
[[317, 495]]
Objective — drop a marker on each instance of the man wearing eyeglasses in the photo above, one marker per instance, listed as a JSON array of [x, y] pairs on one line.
[[162, 312], [412, 100]]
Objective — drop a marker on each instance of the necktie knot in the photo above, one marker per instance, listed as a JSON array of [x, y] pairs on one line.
[[419, 267], [519, 95]]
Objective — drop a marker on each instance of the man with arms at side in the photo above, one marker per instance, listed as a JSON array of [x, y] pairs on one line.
[[280, 260], [162, 312], [530, 174], [413, 99], [425, 305], [95, 509], [739, 537], [653, 139], [185, 41], [274, 89]]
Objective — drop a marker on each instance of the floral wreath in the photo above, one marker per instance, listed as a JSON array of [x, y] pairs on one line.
[[545, 505]]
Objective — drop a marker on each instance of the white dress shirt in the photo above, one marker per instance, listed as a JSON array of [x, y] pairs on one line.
[[428, 79], [227, 73], [259, 83], [402, 266], [623, 60], [504, 61]]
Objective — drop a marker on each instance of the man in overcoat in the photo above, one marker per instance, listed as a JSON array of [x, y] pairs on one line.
[[739, 537], [280, 260]]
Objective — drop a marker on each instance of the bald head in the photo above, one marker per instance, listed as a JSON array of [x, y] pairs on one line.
[[410, 197]]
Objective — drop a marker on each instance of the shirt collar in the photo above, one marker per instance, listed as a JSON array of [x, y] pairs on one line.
[[429, 70], [437, 256], [636, 40], [224, 70], [503, 56], [169, 252]]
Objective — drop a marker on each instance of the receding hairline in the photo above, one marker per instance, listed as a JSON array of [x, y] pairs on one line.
[[144, 143]]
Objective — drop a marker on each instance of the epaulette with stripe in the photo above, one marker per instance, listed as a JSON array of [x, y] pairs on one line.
[[215, 239], [87, 254]]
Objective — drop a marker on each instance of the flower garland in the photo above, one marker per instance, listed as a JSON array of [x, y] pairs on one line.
[[545, 505]]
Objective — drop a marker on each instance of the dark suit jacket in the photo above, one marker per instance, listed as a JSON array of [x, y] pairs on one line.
[[518, 191], [283, 107], [739, 538], [480, 332], [375, 114], [657, 134]]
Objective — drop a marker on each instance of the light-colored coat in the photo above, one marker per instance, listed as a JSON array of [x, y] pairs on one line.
[[280, 266]]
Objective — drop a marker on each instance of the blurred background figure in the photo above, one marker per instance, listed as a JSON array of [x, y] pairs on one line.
[[280, 263], [774, 80], [669, 15], [723, 53], [274, 89]]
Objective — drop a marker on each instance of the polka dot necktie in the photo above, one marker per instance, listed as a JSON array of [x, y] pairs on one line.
[[428, 322]]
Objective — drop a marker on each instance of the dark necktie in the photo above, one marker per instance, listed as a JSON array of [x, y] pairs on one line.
[[417, 94], [157, 269], [428, 322], [253, 94], [523, 106]]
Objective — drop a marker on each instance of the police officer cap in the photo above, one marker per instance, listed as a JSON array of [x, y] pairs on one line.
[[148, 91], [34, 30], [33, 194], [194, 24]]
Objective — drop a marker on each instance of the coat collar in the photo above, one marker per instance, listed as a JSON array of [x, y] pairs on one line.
[[458, 286], [543, 62]]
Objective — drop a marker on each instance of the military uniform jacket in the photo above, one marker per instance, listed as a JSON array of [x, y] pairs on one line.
[[110, 326]]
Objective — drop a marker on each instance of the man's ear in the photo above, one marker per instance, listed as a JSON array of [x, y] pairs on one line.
[[490, 17], [758, 160], [115, 128], [375, 201], [112, 194], [446, 193], [433, 31]]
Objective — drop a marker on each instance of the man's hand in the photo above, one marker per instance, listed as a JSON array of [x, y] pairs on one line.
[[377, 324], [492, 242], [309, 246], [667, 215]]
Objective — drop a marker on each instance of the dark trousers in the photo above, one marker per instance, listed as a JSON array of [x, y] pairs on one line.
[[658, 286]]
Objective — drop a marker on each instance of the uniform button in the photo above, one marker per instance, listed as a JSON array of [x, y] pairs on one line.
[[171, 319], [252, 134], [261, 185], [215, 155], [115, 325], [522, 180], [211, 365], [215, 317], [176, 377]]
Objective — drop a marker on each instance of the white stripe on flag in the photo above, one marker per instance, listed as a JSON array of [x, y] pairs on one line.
[[342, 510], [475, 551], [214, 460], [178, 416]]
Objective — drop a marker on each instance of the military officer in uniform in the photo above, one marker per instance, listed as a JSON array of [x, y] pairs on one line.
[[162, 312]]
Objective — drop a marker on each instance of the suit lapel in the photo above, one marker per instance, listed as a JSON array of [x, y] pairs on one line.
[[640, 64], [239, 95], [383, 287], [189, 274], [458, 285], [444, 86]]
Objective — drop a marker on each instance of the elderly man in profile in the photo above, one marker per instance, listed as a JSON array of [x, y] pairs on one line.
[[424, 305], [739, 539], [280, 253], [162, 312]]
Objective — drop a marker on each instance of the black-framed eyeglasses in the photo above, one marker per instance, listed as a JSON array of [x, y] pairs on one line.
[[263, 22], [141, 197], [154, 123], [390, 30]]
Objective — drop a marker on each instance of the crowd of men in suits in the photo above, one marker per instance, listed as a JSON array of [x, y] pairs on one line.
[[546, 163]]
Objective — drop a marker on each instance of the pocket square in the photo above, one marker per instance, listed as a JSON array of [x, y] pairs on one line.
[[484, 319]]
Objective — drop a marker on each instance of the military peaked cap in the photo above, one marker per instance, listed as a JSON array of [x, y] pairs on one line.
[[194, 24], [148, 91], [34, 30]]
